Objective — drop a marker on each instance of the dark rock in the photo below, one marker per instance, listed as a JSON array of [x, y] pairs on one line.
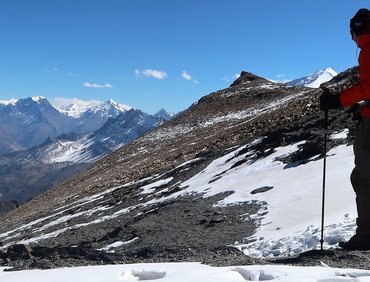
[[238, 163], [3, 256], [214, 179], [51, 257], [216, 220], [17, 252], [111, 235], [338, 258], [262, 189], [246, 77]]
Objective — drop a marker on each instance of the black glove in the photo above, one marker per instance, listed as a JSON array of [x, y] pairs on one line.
[[329, 100]]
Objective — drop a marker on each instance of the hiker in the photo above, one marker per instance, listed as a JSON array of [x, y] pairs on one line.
[[360, 177]]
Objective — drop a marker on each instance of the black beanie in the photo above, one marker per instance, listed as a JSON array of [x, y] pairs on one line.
[[360, 21]]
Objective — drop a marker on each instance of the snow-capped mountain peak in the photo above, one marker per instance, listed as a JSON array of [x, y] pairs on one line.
[[9, 102], [38, 99], [121, 107], [316, 79], [76, 107]]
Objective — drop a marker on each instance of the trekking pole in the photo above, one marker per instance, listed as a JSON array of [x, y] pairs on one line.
[[324, 178]]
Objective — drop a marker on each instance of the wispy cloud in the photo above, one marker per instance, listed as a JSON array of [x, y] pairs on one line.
[[153, 73], [94, 85], [53, 69], [187, 76]]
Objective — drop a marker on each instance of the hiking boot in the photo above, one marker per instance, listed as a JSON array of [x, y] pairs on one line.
[[357, 242]]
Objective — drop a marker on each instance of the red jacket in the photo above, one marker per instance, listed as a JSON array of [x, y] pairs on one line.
[[360, 91]]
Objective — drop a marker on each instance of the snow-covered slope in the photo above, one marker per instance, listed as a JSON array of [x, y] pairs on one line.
[[90, 147], [316, 79]]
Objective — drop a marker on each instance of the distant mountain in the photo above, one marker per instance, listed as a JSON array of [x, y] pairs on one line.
[[91, 115], [316, 79], [164, 114], [28, 122], [76, 108]]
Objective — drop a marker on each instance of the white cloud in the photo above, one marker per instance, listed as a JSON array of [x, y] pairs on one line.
[[186, 76], [94, 85], [155, 73]]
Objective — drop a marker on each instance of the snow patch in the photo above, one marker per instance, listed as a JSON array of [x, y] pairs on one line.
[[109, 248], [150, 188], [340, 135]]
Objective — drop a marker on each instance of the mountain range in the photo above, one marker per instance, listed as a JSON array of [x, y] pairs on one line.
[[43, 145], [197, 188], [28, 122]]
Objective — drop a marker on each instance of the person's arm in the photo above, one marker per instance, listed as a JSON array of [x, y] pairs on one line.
[[360, 91]]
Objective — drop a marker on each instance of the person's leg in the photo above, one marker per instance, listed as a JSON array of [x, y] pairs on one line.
[[360, 179]]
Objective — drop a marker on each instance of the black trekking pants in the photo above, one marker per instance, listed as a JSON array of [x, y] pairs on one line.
[[360, 177]]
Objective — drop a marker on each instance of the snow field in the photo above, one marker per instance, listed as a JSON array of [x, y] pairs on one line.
[[290, 222], [187, 272]]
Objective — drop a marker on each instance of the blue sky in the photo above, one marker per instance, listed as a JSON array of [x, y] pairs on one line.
[[151, 54]]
